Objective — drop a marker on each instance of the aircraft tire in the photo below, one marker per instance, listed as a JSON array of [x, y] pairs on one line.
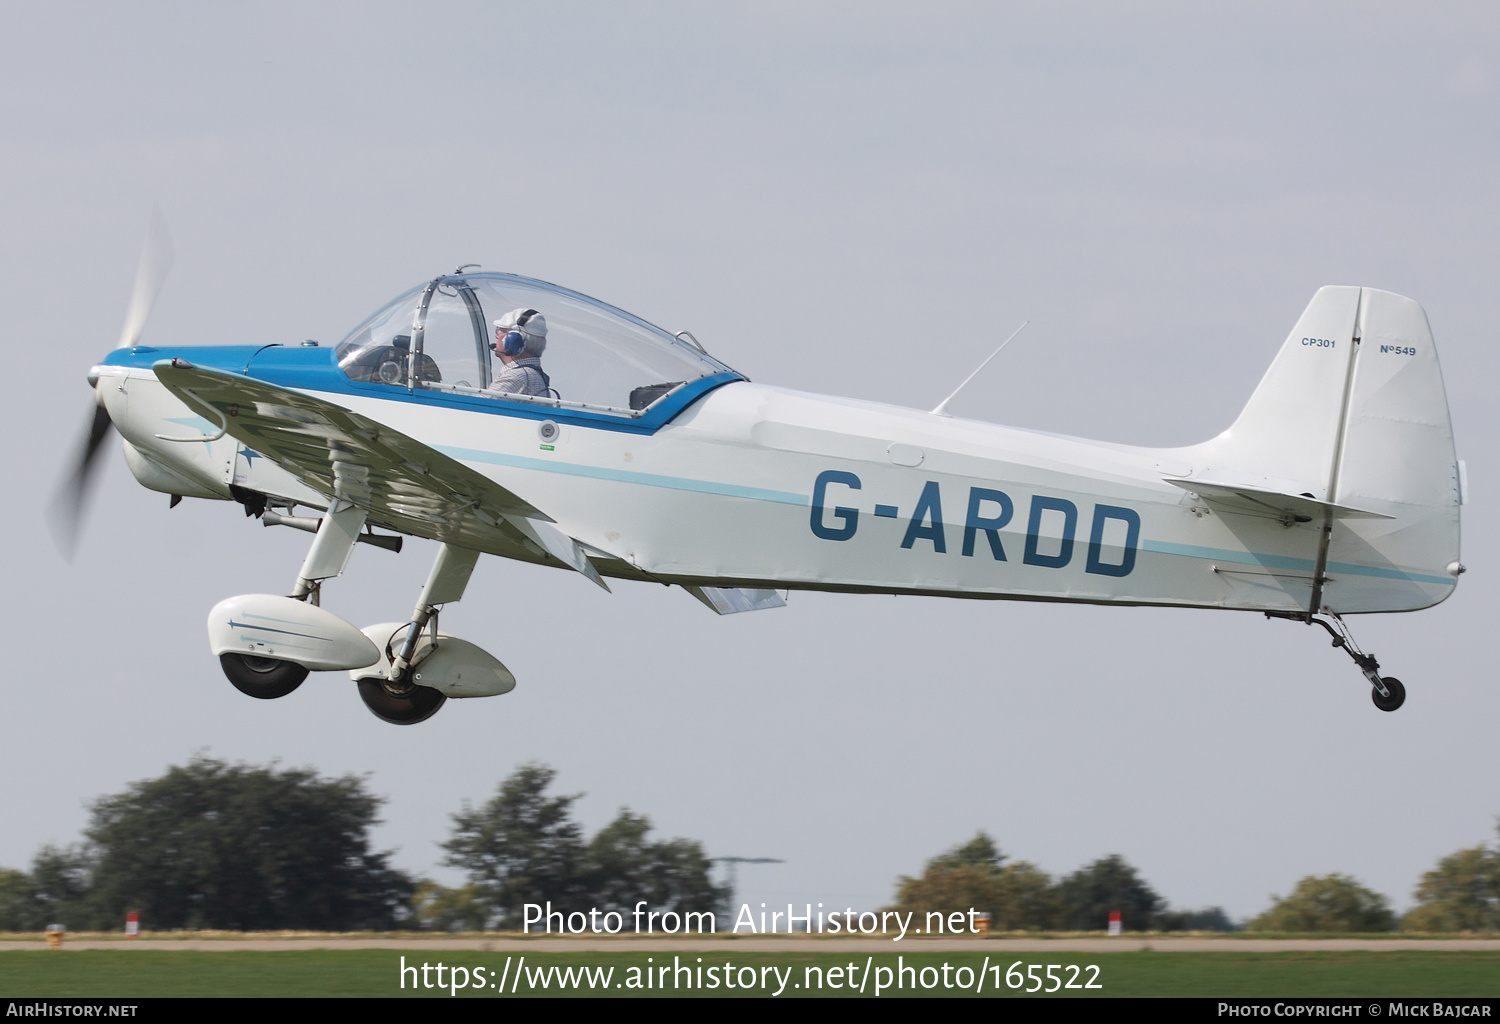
[[262, 678], [1395, 700], [418, 706]]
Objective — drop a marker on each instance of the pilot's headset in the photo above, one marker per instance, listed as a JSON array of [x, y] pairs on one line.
[[525, 331]]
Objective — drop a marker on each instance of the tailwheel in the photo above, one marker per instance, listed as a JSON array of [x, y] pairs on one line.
[[416, 704], [263, 678], [1386, 691], [1395, 694]]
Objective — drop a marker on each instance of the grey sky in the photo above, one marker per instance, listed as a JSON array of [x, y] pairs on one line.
[[858, 199]]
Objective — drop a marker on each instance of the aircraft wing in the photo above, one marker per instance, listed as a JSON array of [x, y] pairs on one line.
[[401, 482], [1273, 504]]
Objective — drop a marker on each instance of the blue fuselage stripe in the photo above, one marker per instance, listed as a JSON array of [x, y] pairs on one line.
[[1389, 574], [1287, 562], [676, 483], [1162, 547]]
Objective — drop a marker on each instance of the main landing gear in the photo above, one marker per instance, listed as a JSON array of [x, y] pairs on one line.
[[414, 704], [392, 688], [1386, 691], [265, 678], [404, 671]]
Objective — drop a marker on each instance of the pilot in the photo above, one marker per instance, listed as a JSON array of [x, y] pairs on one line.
[[520, 340]]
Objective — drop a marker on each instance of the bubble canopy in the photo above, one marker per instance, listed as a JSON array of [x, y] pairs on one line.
[[438, 336]]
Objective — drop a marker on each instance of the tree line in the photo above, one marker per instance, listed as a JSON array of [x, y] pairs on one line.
[[212, 845], [1462, 893], [1019, 896]]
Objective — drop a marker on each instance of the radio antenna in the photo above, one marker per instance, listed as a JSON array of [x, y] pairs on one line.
[[942, 407]]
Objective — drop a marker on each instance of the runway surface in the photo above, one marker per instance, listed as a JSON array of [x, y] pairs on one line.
[[777, 944]]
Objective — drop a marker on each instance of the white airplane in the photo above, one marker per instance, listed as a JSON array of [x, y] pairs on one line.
[[1336, 491]]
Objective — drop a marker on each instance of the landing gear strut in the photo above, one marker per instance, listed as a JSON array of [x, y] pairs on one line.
[[399, 689], [405, 671], [447, 581], [1386, 691]]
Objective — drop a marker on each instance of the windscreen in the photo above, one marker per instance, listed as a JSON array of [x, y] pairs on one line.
[[376, 351], [595, 355]]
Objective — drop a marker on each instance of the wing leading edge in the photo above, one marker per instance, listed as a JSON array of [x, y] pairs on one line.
[[404, 484]]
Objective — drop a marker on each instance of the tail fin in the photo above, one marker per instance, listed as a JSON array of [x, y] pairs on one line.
[[1287, 436], [1353, 412]]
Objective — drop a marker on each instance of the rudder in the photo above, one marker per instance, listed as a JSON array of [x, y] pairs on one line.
[[1397, 457]]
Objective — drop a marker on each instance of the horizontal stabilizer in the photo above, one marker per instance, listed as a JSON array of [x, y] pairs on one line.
[[729, 600], [1275, 504]]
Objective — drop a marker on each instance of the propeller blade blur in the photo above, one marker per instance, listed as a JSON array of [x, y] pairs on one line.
[[156, 260], [66, 512]]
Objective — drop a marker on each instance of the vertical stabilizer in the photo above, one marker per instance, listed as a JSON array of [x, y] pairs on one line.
[[1287, 436]]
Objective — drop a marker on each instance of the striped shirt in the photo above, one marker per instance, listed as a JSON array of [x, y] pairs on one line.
[[522, 377]]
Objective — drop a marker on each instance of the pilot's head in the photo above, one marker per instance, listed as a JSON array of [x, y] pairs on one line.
[[520, 333]]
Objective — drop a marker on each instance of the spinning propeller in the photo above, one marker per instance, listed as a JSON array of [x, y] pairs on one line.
[[72, 493]]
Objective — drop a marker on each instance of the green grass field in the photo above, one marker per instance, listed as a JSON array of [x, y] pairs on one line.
[[333, 973]]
